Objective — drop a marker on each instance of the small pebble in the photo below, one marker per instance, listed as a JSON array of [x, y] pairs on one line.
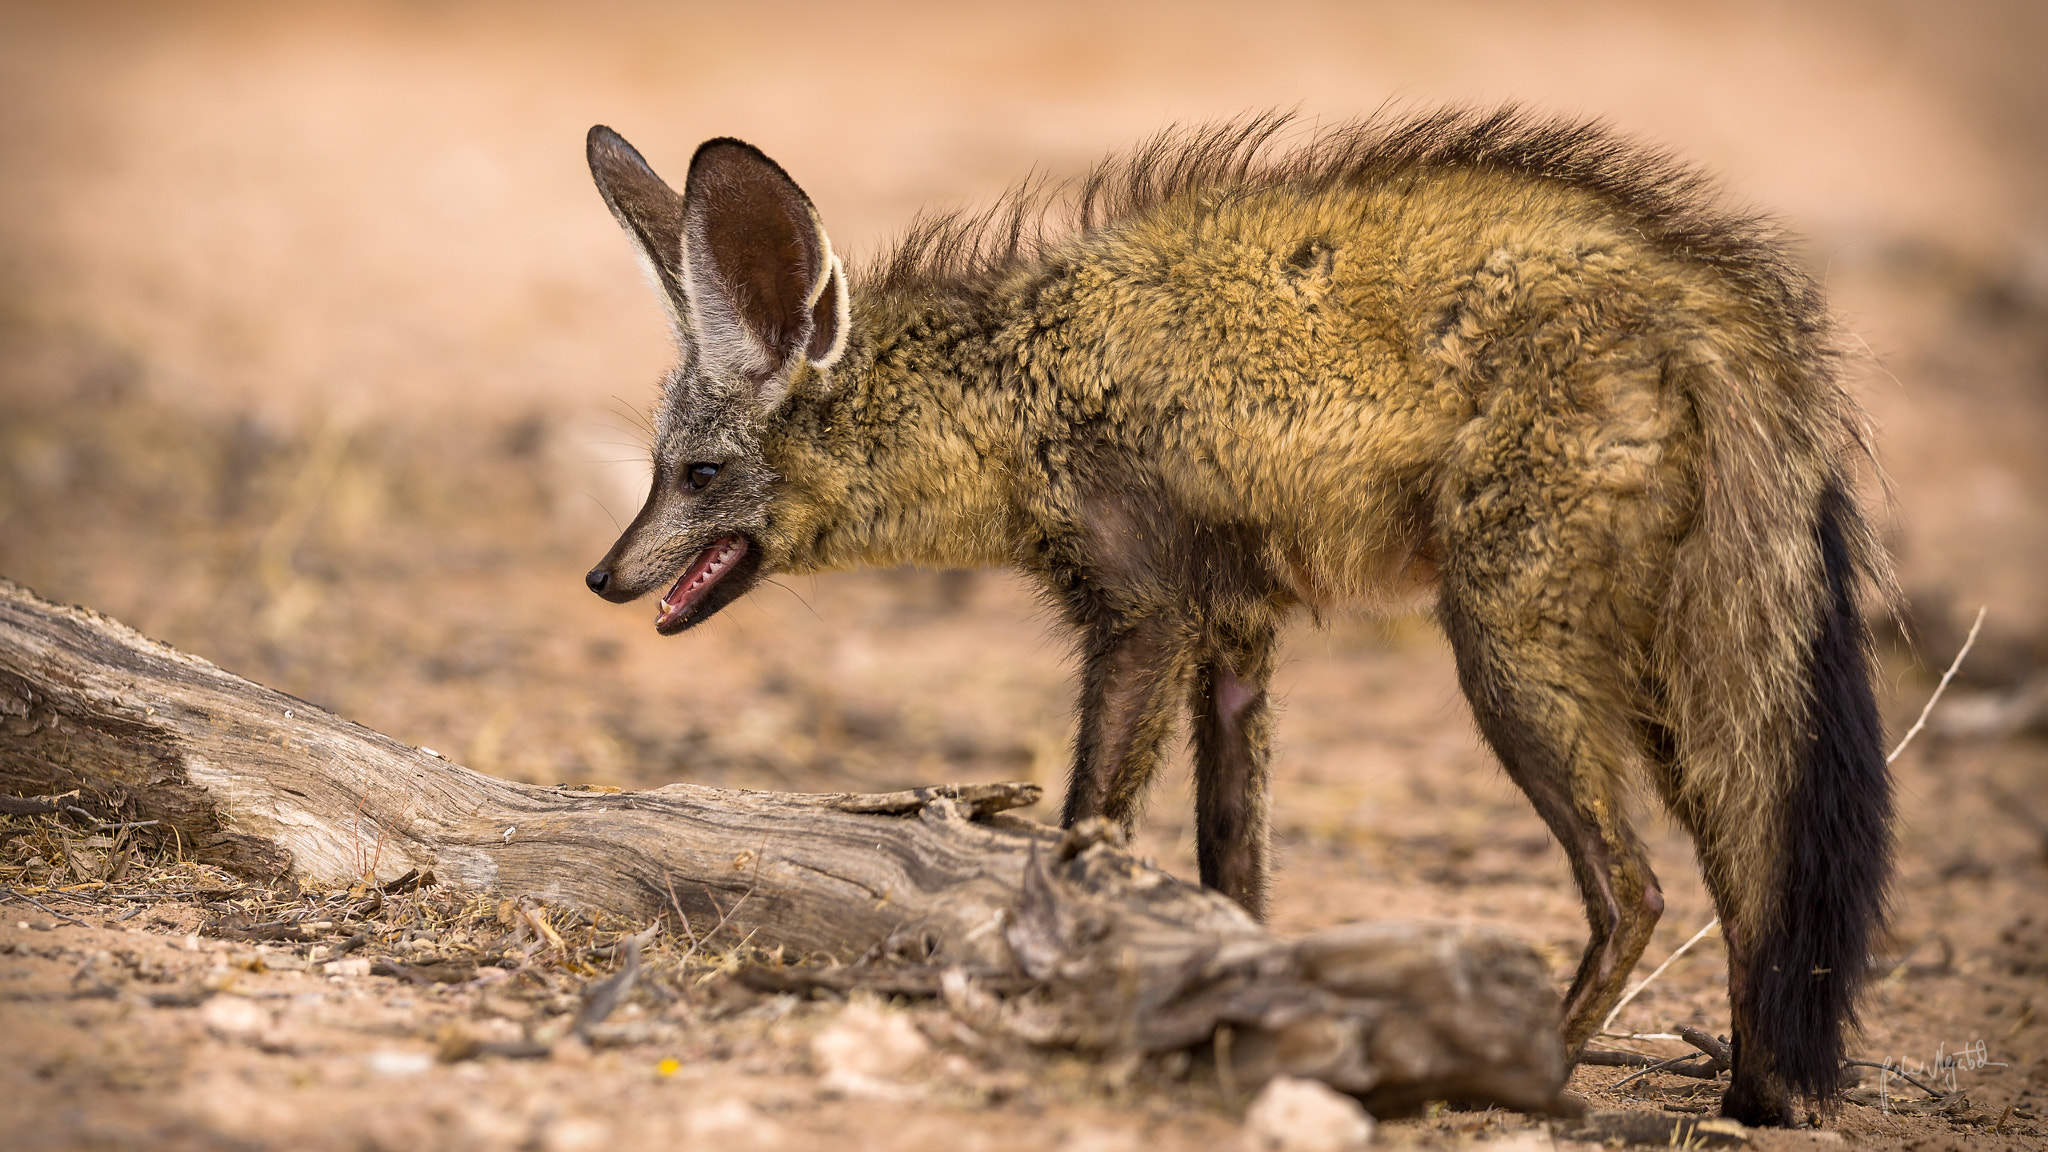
[[1294, 1115], [395, 1064]]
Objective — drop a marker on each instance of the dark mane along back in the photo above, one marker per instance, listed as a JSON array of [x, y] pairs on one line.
[[1672, 201]]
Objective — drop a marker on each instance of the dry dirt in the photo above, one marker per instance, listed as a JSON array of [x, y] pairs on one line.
[[312, 343]]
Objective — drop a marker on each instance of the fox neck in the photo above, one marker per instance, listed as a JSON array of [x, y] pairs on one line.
[[901, 456]]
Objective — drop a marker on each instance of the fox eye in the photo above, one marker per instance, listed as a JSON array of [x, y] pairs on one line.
[[701, 474]]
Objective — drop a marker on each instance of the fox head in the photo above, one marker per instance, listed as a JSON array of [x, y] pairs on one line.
[[759, 306]]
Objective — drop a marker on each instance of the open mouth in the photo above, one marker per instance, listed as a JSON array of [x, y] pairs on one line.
[[712, 565]]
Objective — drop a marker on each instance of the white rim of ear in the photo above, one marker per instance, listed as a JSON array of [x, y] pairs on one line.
[[645, 260], [842, 306]]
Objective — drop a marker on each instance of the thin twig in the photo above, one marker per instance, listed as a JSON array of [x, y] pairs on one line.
[[1719, 1058], [544, 931], [26, 898], [1645, 981], [1710, 1044], [1939, 688], [692, 950], [726, 914], [681, 917], [1602, 1058], [99, 825], [1677, 1064]]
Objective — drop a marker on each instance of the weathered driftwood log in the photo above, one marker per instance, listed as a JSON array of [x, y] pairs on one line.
[[1128, 957]]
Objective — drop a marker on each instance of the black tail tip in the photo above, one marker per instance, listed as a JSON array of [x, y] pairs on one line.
[[1836, 861]]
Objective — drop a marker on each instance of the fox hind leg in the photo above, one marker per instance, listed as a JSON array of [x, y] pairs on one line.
[[1757, 1093], [1551, 545], [1536, 715]]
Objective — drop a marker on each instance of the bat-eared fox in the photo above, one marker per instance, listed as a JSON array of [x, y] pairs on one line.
[[1520, 365]]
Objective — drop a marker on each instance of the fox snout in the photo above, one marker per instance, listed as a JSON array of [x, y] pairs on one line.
[[638, 562], [621, 577], [599, 580], [705, 577]]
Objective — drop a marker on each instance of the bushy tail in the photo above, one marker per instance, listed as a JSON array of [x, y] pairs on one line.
[[1834, 862], [1778, 767]]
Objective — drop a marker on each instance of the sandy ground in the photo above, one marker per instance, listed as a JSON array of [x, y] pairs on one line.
[[319, 357]]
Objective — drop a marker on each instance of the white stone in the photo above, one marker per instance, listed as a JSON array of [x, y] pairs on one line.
[[868, 1042], [396, 1064], [1292, 1115], [234, 1017]]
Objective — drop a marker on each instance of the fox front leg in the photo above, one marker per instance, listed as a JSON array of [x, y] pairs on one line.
[[1232, 733], [1131, 682]]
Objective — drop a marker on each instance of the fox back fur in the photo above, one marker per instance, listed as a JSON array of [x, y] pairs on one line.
[[1519, 363]]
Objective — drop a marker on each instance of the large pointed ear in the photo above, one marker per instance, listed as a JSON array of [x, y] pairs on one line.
[[648, 209], [763, 284]]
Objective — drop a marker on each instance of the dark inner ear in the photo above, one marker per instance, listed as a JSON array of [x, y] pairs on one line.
[[644, 205], [825, 319], [753, 225]]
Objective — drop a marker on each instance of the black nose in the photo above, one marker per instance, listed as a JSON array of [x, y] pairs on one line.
[[598, 580]]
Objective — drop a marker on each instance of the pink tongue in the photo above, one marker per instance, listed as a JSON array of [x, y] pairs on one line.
[[698, 578]]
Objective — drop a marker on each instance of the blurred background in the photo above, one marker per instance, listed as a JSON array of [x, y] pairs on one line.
[[320, 357]]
